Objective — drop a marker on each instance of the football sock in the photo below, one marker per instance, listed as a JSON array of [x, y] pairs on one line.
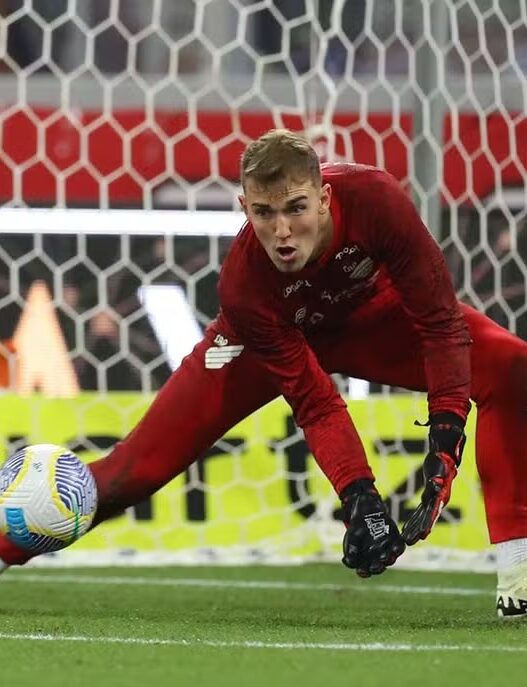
[[509, 553]]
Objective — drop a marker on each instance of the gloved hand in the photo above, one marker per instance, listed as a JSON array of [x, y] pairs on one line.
[[372, 541], [447, 440]]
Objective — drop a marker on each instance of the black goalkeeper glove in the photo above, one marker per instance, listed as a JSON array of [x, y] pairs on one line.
[[372, 541], [447, 440]]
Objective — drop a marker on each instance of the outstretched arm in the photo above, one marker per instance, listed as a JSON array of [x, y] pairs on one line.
[[419, 273], [317, 407], [418, 270], [372, 541]]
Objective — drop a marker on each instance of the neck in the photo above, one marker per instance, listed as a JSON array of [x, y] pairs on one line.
[[326, 234]]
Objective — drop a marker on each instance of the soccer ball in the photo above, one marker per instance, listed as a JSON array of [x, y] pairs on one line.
[[48, 498]]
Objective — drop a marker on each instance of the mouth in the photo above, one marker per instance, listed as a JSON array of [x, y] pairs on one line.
[[286, 253]]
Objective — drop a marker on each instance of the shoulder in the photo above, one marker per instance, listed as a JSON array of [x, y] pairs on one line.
[[355, 176], [244, 273], [244, 253], [360, 188]]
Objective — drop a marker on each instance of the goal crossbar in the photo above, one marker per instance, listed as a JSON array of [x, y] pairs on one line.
[[118, 222]]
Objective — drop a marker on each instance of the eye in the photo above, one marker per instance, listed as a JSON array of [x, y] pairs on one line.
[[262, 212], [298, 208]]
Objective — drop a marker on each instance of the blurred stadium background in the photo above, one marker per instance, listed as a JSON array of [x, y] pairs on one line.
[[121, 127]]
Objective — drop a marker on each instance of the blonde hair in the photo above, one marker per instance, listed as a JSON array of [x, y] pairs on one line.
[[280, 154]]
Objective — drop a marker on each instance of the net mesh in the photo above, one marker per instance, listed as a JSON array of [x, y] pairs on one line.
[[128, 105]]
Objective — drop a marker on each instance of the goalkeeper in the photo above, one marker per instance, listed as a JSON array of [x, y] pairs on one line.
[[335, 272]]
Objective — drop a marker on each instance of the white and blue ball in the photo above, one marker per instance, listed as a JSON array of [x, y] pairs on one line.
[[48, 498]]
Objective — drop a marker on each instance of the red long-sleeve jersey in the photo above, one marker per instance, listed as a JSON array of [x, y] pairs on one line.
[[379, 242]]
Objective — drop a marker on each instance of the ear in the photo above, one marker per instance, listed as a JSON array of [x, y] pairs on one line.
[[325, 199], [243, 203]]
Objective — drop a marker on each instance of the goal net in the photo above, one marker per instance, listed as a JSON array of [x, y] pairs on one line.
[[121, 127]]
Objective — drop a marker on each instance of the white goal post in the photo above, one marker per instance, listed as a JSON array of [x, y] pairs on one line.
[[121, 127]]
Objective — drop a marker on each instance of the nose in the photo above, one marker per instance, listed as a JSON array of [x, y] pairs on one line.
[[282, 230]]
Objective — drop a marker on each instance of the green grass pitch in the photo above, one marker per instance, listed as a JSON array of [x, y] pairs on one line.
[[314, 625]]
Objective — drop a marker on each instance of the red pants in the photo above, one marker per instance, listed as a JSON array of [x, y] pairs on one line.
[[198, 405]]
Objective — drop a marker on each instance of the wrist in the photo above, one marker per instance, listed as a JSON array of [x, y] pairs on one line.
[[359, 486], [447, 438], [447, 418]]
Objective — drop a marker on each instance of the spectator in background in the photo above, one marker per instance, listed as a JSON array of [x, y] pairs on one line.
[[99, 357]]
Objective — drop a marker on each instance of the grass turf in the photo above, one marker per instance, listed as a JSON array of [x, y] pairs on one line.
[[228, 626]]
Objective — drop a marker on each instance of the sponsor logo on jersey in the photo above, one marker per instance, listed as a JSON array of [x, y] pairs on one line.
[[316, 317], [300, 315], [345, 294], [338, 296], [347, 250], [293, 288], [221, 354], [360, 269]]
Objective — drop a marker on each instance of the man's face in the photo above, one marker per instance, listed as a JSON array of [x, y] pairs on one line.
[[291, 220]]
